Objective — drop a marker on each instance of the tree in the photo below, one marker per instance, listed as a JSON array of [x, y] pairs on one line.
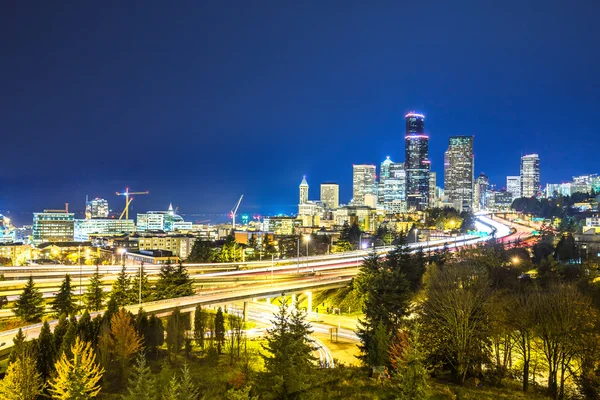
[[46, 352], [267, 246], [94, 295], [156, 336], [521, 320], [85, 328], [141, 381], [200, 321], [175, 336], [289, 359], [22, 381], [19, 346], [59, 331], [30, 304], [219, 330], [187, 389], [173, 282], [77, 377], [412, 370], [202, 252], [124, 340], [120, 288], [63, 301], [172, 391], [69, 338], [134, 290]]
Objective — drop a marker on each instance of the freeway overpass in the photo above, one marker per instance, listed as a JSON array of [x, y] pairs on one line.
[[332, 271]]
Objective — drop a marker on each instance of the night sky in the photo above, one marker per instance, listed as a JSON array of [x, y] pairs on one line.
[[201, 101]]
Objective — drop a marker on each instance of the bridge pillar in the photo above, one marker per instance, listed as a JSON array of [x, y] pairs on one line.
[[245, 312], [309, 300], [192, 322]]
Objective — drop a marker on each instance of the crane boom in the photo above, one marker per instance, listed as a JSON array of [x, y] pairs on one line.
[[128, 201], [234, 211]]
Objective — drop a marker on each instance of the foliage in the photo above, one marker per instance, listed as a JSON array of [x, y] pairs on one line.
[[219, 330], [187, 388], [156, 334], [22, 381], [173, 282], [120, 288], [351, 234], [46, 352], [202, 252], [63, 301], [94, 295], [412, 370], [124, 340], [141, 381], [200, 321], [19, 346], [175, 329], [69, 338], [77, 377], [30, 304], [134, 289]]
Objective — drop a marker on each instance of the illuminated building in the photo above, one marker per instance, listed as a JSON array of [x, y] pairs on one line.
[[363, 183], [102, 226], [330, 195], [16, 253], [384, 174], [280, 225], [303, 191], [458, 172], [513, 186], [392, 189], [179, 245], [165, 221], [7, 232], [530, 175], [365, 217], [96, 208], [417, 162], [481, 192], [53, 226], [432, 188]]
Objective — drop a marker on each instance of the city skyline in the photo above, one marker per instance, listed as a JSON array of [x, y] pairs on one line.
[[227, 120]]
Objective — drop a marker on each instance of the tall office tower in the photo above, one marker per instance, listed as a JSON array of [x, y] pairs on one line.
[[480, 192], [384, 174], [303, 191], [458, 172], [393, 189], [417, 162], [53, 226], [330, 195], [432, 186], [530, 175], [513, 186], [363, 183], [96, 208]]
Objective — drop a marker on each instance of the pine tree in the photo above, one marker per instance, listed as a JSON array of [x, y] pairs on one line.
[[187, 389], [156, 336], [182, 281], [120, 288], [219, 330], [289, 358], [77, 377], [69, 338], [134, 290], [59, 332], [172, 391], [413, 374], [175, 332], [85, 328], [202, 252], [22, 381], [30, 304], [94, 295], [141, 381], [173, 282], [200, 319], [46, 352], [63, 301], [19, 346], [111, 308]]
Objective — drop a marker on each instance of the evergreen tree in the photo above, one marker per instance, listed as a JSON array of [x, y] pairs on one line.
[[172, 391], [46, 352], [141, 381], [200, 321], [219, 330], [120, 288], [289, 359], [111, 308], [69, 338], [173, 282], [59, 332], [187, 389], [94, 295], [412, 371], [19, 346], [85, 328], [156, 336], [22, 381], [63, 301], [77, 377], [182, 282], [134, 290], [202, 252], [30, 304], [267, 245], [175, 332]]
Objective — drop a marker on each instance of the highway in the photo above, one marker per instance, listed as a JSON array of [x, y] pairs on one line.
[[318, 273]]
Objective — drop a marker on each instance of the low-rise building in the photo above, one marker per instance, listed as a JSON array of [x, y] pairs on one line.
[[102, 226], [179, 245], [15, 253], [281, 225]]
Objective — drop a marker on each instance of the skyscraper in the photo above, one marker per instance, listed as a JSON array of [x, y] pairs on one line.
[[480, 192], [330, 195], [303, 191], [384, 174], [513, 186], [96, 208], [530, 175], [458, 172], [363, 183], [417, 162]]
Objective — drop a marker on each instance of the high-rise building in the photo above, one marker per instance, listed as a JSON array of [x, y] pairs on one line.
[[53, 226], [432, 186], [530, 175], [392, 190], [96, 208], [513, 186], [363, 183], [481, 192], [330, 195], [458, 172], [384, 174], [303, 191], [417, 162]]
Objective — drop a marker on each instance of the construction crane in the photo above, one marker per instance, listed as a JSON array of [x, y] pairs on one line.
[[128, 201], [234, 211]]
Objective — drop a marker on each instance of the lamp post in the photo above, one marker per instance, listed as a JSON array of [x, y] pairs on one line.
[[141, 269]]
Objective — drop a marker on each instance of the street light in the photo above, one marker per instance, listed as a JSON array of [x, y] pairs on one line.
[[515, 260], [122, 251], [141, 269]]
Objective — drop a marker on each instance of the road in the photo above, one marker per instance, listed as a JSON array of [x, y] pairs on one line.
[[319, 273]]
